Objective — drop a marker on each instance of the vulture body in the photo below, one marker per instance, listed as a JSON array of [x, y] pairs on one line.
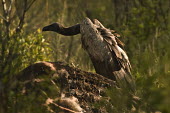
[[104, 49]]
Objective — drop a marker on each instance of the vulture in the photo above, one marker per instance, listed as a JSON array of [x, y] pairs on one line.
[[104, 49]]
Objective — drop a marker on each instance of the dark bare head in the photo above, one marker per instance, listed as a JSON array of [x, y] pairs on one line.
[[52, 27], [67, 31]]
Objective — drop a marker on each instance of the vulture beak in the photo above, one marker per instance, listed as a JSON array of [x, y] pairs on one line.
[[45, 28], [51, 27]]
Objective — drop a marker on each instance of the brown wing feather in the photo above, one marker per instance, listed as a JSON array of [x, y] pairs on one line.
[[108, 58], [124, 74]]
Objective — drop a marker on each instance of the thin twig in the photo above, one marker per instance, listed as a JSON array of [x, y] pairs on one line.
[[3, 17], [10, 6], [21, 22], [51, 102], [4, 7], [61, 107], [30, 5]]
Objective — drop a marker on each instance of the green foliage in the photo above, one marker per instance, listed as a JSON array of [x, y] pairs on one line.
[[26, 49], [35, 97]]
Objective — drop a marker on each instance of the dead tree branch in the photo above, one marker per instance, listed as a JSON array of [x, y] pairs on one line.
[[85, 86], [22, 17]]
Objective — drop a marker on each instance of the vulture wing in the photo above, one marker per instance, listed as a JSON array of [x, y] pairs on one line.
[[123, 75]]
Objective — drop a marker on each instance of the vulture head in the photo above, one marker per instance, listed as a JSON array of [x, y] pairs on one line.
[[67, 31], [52, 27]]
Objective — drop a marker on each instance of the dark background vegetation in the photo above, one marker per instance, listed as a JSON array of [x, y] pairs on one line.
[[143, 24]]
